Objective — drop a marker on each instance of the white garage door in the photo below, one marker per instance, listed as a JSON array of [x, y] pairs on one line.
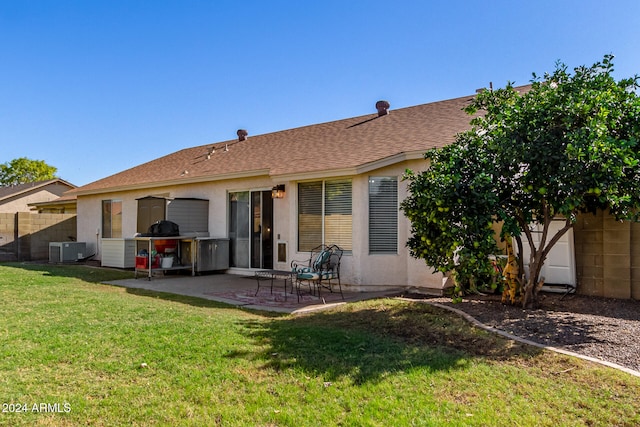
[[560, 266]]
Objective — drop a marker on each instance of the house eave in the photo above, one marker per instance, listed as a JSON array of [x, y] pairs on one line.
[[356, 170], [52, 203], [174, 182], [294, 176]]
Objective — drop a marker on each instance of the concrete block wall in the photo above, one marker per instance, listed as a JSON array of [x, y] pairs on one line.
[[25, 236], [8, 245], [47, 228], [635, 260], [588, 238], [607, 256]]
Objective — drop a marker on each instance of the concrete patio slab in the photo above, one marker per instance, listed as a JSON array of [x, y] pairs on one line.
[[239, 290]]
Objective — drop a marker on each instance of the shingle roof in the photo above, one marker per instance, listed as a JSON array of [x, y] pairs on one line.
[[15, 190], [64, 199], [342, 145]]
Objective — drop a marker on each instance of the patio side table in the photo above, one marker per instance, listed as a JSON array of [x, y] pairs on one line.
[[273, 275]]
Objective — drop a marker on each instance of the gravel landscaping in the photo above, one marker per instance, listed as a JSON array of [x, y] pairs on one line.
[[603, 328]]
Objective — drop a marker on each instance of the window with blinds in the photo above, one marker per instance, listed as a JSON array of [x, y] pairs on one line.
[[338, 221], [324, 214], [309, 215], [383, 215]]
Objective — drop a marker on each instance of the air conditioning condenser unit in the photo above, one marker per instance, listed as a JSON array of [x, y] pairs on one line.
[[66, 251]]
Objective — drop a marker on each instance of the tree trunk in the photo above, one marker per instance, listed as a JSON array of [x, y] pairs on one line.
[[533, 284], [538, 257]]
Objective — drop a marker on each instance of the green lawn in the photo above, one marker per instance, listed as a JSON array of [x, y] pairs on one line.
[[101, 355]]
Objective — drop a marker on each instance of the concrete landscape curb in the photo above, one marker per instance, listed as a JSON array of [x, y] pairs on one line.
[[479, 324]]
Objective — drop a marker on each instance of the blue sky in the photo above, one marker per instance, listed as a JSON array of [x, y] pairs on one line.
[[95, 87]]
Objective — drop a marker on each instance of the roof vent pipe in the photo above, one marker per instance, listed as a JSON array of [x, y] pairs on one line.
[[242, 134], [382, 107]]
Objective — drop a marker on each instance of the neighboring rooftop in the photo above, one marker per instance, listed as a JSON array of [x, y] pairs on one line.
[[63, 204], [16, 190]]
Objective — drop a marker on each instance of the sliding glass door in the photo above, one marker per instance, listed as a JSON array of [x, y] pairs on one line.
[[250, 229]]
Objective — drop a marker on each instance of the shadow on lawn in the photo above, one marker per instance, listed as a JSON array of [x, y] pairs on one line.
[[368, 341], [100, 275], [81, 271]]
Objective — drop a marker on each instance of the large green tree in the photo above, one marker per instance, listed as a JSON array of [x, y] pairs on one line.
[[23, 170], [567, 144]]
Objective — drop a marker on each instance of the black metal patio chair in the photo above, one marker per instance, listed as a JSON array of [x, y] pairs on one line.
[[320, 270]]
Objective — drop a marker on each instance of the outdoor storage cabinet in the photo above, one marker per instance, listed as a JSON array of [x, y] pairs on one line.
[[191, 214], [212, 254], [118, 253]]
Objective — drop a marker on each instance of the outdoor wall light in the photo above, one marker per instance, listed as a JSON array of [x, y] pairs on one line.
[[277, 192]]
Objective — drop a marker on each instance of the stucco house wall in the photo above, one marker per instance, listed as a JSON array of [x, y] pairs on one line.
[[360, 270], [90, 208], [387, 270]]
